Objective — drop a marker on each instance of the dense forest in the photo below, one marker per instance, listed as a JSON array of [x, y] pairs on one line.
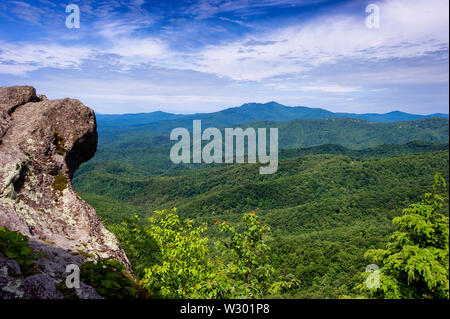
[[143, 148], [326, 206]]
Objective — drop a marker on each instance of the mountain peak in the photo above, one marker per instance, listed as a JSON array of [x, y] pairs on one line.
[[273, 103], [255, 104]]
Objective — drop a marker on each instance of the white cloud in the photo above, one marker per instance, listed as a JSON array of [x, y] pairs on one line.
[[26, 12], [408, 29], [333, 60], [330, 89], [209, 8], [15, 69], [32, 57], [140, 51]]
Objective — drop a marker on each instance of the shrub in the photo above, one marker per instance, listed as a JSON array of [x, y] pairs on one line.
[[59, 143], [110, 280], [14, 245], [415, 263]]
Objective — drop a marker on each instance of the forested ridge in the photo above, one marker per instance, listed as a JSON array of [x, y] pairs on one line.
[[325, 210], [143, 149], [340, 182]]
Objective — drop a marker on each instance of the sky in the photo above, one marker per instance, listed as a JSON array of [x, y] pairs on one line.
[[206, 55]]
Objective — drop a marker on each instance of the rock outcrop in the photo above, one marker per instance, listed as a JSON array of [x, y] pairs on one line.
[[14, 284], [42, 143]]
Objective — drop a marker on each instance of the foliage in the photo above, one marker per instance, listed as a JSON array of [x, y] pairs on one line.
[[187, 269], [325, 211], [139, 243], [415, 263], [110, 279], [184, 269], [14, 245], [250, 270], [59, 143]]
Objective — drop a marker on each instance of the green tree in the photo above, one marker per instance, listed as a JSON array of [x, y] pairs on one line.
[[184, 269], [415, 263], [110, 280], [249, 268], [139, 243]]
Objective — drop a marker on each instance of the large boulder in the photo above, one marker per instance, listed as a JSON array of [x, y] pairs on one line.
[[42, 143], [48, 278]]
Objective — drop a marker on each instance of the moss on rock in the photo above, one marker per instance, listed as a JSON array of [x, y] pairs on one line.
[[60, 183], [59, 143]]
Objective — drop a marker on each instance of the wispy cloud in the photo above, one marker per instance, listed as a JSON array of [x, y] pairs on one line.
[[32, 56], [210, 8], [330, 88], [26, 11], [330, 58], [409, 29]]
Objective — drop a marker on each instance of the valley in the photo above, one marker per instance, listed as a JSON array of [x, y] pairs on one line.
[[339, 183]]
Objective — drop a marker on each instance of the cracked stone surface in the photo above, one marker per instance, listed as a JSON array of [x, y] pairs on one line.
[[51, 272], [42, 143]]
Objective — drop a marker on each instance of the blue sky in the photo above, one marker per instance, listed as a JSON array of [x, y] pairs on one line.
[[206, 55]]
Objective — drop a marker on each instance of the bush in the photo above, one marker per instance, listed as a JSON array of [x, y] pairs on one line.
[[110, 280], [14, 245], [415, 263]]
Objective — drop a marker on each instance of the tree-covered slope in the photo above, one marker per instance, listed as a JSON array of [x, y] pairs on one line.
[[274, 111], [147, 152], [354, 133], [299, 181], [325, 210], [384, 150], [339, 183]]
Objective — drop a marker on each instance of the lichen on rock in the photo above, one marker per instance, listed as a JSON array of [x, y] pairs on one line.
[[42, 143]]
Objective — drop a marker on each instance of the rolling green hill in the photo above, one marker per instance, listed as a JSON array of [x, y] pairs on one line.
[[325, 210], [339, 183], [147, 153], [247, 112], [354, 133], [126, 127], [239, 187], [384, 150]]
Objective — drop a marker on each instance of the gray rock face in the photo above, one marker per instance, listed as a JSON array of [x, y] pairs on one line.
[[51, 266], [40, 286], [10, 288], [86, 292], [42, 143], [9, 267]]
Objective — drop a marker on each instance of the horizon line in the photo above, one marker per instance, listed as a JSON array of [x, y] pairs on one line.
[[295, 106]]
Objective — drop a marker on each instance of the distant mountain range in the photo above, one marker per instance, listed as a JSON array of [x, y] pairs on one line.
[[250, 112], [142, 140], [146, 148]]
